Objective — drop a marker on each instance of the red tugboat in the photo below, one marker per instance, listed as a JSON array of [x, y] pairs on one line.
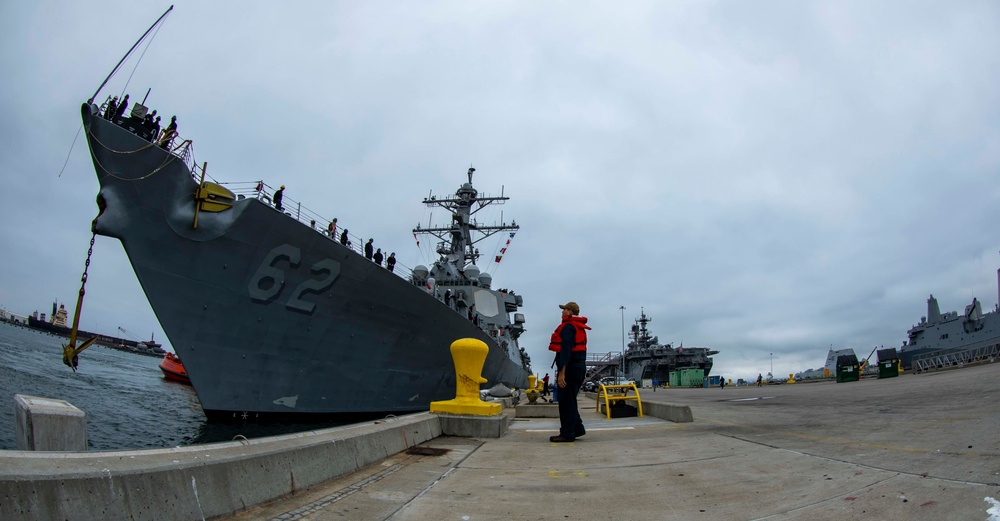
[[173, 369]]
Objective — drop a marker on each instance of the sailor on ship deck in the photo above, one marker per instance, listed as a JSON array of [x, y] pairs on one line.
[[278, 195]]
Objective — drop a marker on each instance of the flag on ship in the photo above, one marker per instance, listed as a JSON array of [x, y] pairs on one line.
[[504, 249]]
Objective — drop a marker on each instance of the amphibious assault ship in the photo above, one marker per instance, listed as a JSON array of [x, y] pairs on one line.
[[647, 359], [278, 320], [944, 339]]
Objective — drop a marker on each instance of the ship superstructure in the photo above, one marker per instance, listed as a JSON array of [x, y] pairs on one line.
[[457, 279], [647, 359], [950, 338]]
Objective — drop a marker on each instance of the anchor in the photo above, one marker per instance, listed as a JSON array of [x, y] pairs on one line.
[[210, 197], [71, 353]]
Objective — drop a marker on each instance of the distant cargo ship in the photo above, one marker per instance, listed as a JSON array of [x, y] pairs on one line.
[[56, 325]]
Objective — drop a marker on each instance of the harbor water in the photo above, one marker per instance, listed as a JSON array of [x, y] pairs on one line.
[[128, 403]]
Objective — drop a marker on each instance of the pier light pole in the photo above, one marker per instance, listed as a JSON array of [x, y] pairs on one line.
[[623, 339], [772, 365]]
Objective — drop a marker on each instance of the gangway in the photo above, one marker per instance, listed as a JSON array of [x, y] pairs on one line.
[[602, 364], [940, 360]]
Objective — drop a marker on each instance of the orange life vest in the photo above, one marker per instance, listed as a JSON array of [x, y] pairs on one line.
[[580, 342]]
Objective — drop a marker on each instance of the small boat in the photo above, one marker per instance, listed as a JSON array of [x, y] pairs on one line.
[[173, 369]]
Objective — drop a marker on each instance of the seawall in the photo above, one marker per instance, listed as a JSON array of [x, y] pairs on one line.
[[195, 482]]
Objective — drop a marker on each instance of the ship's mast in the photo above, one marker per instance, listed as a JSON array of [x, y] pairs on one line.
[[639, 333], [457, 242]]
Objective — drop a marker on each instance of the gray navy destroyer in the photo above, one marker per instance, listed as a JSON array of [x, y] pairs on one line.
[[944, 339], [276, 320], [647, 359]]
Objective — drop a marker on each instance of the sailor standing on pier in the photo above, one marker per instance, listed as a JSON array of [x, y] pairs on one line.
[[569, 341]]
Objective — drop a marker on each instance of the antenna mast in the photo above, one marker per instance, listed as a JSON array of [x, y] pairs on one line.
[[143, 37]]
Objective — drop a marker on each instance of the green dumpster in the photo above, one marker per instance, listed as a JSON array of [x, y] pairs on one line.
[[888, 363], [848, 369]]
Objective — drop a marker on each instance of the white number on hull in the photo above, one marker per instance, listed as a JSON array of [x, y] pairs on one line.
[[268, 281]]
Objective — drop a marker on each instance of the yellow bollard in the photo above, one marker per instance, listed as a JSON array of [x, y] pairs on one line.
[[534, 390], [791, 379], [469, 355], [899, 366]]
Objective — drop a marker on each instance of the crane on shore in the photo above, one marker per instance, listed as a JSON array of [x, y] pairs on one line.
[[136, 338]]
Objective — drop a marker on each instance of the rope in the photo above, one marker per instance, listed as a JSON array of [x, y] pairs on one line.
[[77, 136], [169, 159], [141, 56]]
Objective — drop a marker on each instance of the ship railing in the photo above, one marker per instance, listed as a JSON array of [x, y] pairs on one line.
[[135, 123], [599, 364], [941, 352], [602, 357], [264, 193], [183, 149], [940, 360]]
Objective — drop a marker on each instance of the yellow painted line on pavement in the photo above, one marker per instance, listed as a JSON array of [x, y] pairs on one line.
[[589, 429], [558, 474]]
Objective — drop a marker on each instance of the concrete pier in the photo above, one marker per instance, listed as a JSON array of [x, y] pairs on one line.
[[917, 447], [474, 426]]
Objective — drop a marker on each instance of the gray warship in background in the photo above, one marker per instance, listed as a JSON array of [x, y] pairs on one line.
[[276, 320], [948, 339], [647, 359]]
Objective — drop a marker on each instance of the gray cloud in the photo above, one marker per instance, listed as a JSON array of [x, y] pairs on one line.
[[766, 178]]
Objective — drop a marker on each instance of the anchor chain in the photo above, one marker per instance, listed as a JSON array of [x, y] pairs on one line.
[[86, 266]]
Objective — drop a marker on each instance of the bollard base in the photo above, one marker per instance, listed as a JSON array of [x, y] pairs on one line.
[[538, 410], [46, 424], [474, 426], [467, 407]]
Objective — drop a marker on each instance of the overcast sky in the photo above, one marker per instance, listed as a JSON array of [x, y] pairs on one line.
[[760, 177]]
